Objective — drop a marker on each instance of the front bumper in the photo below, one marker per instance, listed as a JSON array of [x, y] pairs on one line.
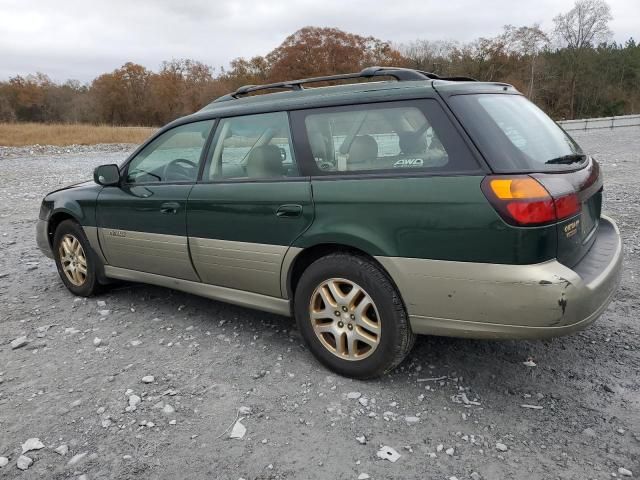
[[42, 237], [509, 301]]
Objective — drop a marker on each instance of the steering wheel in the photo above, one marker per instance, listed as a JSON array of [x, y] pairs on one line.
[[181, 168]]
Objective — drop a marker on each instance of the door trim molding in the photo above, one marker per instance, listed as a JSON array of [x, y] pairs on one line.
[[265, 303], [158, 253]]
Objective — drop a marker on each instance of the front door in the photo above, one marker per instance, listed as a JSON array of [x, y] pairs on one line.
[[142, 222], [250, 205]]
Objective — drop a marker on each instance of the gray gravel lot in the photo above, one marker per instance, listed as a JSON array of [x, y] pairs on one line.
[[84, 362]]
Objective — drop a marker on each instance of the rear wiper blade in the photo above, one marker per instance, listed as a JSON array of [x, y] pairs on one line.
[[567, 159]]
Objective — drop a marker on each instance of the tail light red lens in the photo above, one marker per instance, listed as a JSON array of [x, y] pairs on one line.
[[532, 212], [567, 206], [522, 200]]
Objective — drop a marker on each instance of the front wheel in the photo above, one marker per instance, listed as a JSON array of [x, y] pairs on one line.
[[351, 316], [74, 259]]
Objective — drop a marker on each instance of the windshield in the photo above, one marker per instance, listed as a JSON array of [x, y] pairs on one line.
[[516, 136]]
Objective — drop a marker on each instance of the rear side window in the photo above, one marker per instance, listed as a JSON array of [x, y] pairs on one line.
[[514, 135], [399, 136]]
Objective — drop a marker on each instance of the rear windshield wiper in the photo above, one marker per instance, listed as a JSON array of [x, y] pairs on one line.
[[567, 159]]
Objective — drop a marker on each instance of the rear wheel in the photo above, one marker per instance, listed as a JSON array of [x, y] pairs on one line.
[[74, 259], [352, 317]]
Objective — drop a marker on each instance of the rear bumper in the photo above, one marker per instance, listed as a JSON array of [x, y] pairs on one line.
[[509, 301], [42, 237]]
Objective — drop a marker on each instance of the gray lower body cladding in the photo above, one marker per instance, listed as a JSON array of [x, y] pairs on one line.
[[509, 301], [461, 299]]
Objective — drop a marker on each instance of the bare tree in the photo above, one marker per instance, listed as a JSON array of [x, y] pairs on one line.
[[428, 55], [527, 42], [586, 24]]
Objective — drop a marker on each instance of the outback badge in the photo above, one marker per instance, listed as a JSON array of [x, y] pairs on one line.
[[570, 229]]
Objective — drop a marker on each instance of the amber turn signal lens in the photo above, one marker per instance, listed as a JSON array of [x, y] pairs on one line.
[[518, 188]]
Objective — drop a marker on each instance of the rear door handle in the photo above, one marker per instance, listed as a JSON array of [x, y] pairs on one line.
[[289, 211], [169, 208]]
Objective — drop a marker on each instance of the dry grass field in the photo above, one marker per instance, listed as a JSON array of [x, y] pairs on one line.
[[21, 134]]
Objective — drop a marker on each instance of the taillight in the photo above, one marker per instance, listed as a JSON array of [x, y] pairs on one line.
[[522, 200], [567, 206]]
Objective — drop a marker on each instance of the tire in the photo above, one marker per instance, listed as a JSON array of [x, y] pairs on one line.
[[81, 265], [333, 313]]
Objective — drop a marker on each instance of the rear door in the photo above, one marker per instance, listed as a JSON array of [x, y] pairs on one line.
[[250, 205], [516, 137], [142, 221]]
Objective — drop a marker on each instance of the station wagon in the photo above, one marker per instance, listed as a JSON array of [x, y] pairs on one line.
[[399, 203]]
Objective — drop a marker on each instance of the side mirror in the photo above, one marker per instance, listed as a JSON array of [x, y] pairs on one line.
[[107, 175]]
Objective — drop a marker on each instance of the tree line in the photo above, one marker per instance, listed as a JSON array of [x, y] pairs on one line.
[[573, 71]]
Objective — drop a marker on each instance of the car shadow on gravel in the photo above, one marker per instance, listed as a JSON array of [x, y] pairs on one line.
[[496, 364]]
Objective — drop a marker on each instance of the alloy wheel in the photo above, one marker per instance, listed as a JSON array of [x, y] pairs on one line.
[[345, 319], [73, 260]]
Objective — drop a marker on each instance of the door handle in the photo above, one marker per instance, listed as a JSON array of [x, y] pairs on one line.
[[289, 211], [169, 208]]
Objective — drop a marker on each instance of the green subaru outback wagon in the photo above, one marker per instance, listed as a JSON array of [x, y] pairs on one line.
[[370, 211]]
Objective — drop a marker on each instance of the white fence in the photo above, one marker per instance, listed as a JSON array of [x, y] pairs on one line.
[[600, 123]]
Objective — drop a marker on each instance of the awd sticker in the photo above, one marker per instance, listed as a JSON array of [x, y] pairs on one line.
[[409, 162], [570, 229], [117, 233]]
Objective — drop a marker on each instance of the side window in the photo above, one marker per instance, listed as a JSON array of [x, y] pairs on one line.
[[252, 147], [391, 137], [172, 157]]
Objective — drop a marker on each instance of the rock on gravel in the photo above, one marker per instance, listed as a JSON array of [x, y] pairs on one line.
[[4, 461], [62, 450], [19, 342], [502, 447], [24, 462], [388, 453], [624, 472], [238, 431], [77, 458], [32, 444], [148, 379]]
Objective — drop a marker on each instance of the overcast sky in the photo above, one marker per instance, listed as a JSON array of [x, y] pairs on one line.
[[82, 38]]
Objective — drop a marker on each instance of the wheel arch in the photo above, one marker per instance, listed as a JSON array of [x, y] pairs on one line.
[[305, 257], [56, 219]]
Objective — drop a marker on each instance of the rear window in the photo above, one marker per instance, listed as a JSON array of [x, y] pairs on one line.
[[516, 136]]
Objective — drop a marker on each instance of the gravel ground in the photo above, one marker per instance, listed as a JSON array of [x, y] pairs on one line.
[[56, 151], [453, 409]]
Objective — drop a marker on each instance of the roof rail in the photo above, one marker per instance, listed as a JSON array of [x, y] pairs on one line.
[[400, 74]]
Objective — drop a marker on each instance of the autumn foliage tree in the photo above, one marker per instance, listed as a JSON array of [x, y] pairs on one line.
[[313, 51], [121, 96]]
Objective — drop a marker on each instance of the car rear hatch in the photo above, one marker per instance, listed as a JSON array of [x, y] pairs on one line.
[[540, 174]]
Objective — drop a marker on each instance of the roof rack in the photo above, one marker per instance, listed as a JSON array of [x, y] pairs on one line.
[[400, 74]]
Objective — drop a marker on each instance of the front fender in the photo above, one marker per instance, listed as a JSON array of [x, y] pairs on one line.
[[78, 202]]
